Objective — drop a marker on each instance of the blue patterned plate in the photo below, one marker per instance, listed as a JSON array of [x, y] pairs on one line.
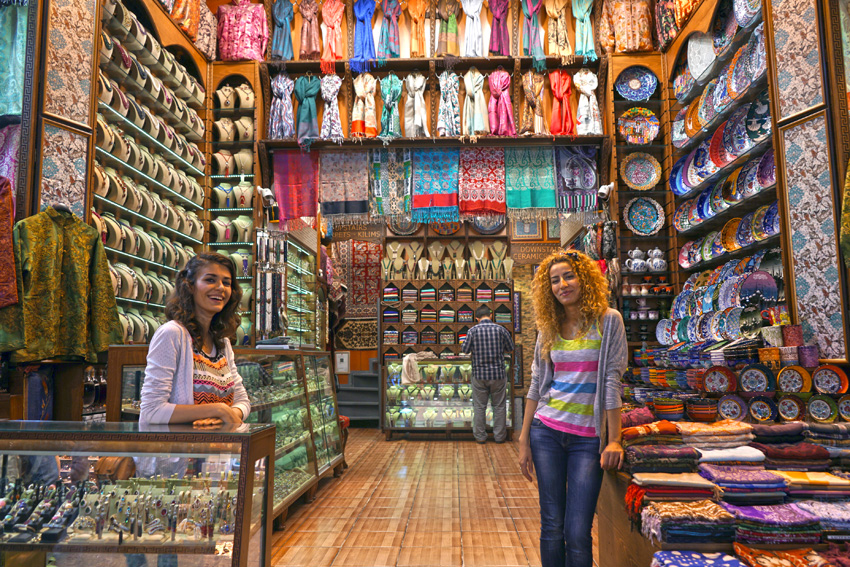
[[718, 204], [732, 407], [680, 217], [678, 135], [707, 109], [701, 167], [717, 245], [748, 184], [757, 54], [640, 171], [643, 216], [735, 139], [771, 219], [767, 170], [759, 124], [744, 236], [763, 409], [636, 83], [401, 227], [724, 29], [676, 181], [704, 204], [706, 246]]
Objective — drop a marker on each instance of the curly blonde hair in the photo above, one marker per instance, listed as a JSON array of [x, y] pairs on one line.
[[549, 314]]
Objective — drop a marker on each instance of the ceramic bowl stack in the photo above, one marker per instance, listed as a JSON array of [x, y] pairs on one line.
[[668, 408], [702, 409]]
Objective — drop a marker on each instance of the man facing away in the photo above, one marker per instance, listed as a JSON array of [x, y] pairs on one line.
[[488, 343]]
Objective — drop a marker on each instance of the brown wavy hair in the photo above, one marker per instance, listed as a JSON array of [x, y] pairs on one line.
[[549, 313], [180, 306]]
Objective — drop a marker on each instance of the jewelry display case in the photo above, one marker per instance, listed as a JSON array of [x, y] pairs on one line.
[[142, 491], [302, 323]]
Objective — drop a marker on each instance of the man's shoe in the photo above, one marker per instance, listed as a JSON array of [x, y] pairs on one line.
[[480, 442]]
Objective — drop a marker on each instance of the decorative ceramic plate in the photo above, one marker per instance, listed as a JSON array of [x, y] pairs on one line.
[[738, 78], [730, 229], [716, 322], [643, 216], [638, 125], [692, 123], [724, 29], [791, 408], [683, 82], [488, 224], [747, 183], [636, 83], [747, 12], [684, 255], [722, 98], [704, 204], [771, 219], [759, 229], [822, 409], [844, 408], [402, 227], [680, 217], [719, 379], [445, 228], [757, 378], [735, 138], [708, 246], [757, 54], [730, 191], [640, 171], [716, 149], [733, 323], [758, 285], [701, 167], [732, 407], [707, 110], [793, 379], [678, 135], [759, 124], [700, 55], [676, 185], [766, 173], [718, 203], [829, 379], [763, 409]]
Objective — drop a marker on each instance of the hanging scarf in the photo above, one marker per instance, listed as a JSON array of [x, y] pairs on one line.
[[500, 108], [576, 178], [296, 183], [844, 240], [363, 119], [473, 40], [448, 117], [588, 118], [447, 11], [391, 182], [435, 185], [344, 182], [281, 122], [533, 45], [306, 122], [562, 115], [311, 42], [474, 105], [499, 42], [530, 183], [415, 111], [331, 126], [481, 181], [364, 45], [282, 14], [559, 38], [388, 45], [390, 118], [584, 29], [416, 11], [332, 13], [532, 113]]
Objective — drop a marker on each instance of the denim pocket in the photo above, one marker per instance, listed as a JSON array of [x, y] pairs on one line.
[[537, 423]]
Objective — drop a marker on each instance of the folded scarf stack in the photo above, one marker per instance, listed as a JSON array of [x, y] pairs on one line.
[[687, 522], [837, 554], [639, 416], [830, 435], [840, 456], [794, 456], [780, 433], [725, 434], [661, 458], [666, 487], [778, 523], [656, 433], [820, 485], [693, 559], [832, 515], [801, 557], [741, 486], [745, 458]]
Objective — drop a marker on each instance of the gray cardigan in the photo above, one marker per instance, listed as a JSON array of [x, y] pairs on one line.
[[169, 375], [612, 363]]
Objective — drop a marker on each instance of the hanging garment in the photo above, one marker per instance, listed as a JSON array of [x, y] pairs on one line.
[[448, 116], [559, 38], [8, 281], [10, 153], [282, 14], [306, 122], [331, 125], [481, 181], [576, 178], [530, 183], [363, 119], [589, 121], [344, 183], [281, 120], [474, 105], [532, 42], [391, 182], [416, 11], [560, 83], [66, 304], [435, 185], [844, 239], [187, 15], [665, 23], [311, 39], [500, 43], [207, 28], [390, 118], [584, 29], [388, 45], [13, 45], [625, 26], [415, 111], [447, 12], [332, 14], [242, 31], [473, 41], [532, 113], [364, 43], [296, 182], [500, 108]]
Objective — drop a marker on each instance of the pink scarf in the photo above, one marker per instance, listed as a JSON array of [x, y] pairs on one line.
[[499, 109]]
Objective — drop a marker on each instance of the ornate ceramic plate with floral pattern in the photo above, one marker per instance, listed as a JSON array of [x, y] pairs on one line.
[[677, 134], [738, 79], [700, 55], [676, 184], [643, 216], [636, 83], [757, 54], [401, 227], [791, 408], [640, 171], [732, 407], [766, 174], [822, 409], [794, 379], [488, 224], [638, 125], [763, 409], [829, 379], [724, 29], [757, 378], [719, 379], [844, 408], [683, 82], [680, 217]]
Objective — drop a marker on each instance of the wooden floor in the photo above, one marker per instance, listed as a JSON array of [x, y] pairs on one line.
[[417, 503]]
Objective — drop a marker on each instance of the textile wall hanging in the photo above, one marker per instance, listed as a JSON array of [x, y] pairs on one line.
[[500, 109], [530, 183], [281, 118], [435, 180], [448, 117], [798, 58], [362, 261], [331, 125], [390, 181], [8, 280], [344, 181], [357, 335], [576, 178], [332, 14], [311, 39], [481, 181], [296, 183], [282, 14]]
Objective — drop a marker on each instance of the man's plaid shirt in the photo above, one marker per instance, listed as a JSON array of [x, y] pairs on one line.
[[488, 343]]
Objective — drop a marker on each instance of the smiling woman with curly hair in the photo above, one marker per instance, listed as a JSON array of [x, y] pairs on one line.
[[571, 429]]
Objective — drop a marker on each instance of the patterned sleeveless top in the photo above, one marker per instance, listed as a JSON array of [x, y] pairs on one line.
[[576, 366], [212, 380]]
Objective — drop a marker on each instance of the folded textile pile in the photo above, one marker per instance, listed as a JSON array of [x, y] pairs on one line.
[[639, 416], [833, 434], [837, 554], [794, 456], [777, 523], [820, 485], [742, 486], [661, 458], [744, 457], [725, 434], [693, 559], [687, 522], [779, 433], [832, 515], [806, 557], [656, 433], [840, 456], [666, 487]]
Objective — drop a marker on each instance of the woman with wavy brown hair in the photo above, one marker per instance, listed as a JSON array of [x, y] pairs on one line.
[[191, 376], [571, 429]]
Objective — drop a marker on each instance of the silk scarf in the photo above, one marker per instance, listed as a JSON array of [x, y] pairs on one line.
[[559, 38], [499, 42], [500, 109], [282, 14], [388, 45], [560, 82], [589, 121], [416, 11], [584, 29], [448, 116], [281, 122], [532, 114], [331, 125], [844, 241], [363, 119], [481, 181], [296, 183], [364, 44], [435, 178], [530, 183], [474, 105], [390, 181], [332, 13], [576, 178], [344, 182], [473, 41], [448, 11], [532, 45], [390, 118], [415, 111], [306, 122], [311, 43], [8, 273]]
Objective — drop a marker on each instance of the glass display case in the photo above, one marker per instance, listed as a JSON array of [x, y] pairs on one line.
[[323, 410], [126, 489], [302, 323]]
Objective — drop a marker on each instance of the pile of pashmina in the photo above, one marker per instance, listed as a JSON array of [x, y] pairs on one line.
[[821, 485], [741, 457], [794, 456], [661, 458], [779, 433], [702, 521], [805, 557], [743, 486], [832, 434], [639, 416], [778, 523], [837, 554], [656, 433], [725, 434], [665, 487], [693, 559]]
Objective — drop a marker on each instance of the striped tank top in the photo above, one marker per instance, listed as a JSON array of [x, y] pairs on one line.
[[576, 365], [212, 380]]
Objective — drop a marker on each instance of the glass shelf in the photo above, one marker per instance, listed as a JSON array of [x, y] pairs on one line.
[[225, 244], [242, 210], [140, 260], [116, 207], [234, 176], [298, 289], [299, 269]]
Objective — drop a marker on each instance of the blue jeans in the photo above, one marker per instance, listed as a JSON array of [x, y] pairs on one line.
[[140, 560], [568, 479]]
